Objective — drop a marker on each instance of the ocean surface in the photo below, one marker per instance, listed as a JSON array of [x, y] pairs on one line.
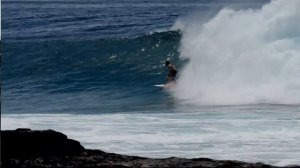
[[88, 69]]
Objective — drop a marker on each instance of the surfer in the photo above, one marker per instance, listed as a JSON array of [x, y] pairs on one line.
[[172, 72]]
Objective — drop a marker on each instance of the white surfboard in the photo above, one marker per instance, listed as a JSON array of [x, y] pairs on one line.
[[161, 85], [166, 86]]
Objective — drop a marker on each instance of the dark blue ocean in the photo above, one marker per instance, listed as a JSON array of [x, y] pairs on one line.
[[88, 68], [95, 56]]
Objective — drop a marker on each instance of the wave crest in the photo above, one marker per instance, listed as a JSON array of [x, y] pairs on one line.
[[243, 57]]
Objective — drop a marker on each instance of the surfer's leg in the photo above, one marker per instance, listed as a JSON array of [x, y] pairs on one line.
[[173, 75], [169, 78]]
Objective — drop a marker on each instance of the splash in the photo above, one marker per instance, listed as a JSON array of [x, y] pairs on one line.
[[243, 56]]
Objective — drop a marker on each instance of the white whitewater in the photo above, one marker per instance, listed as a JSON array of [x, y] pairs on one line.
[[242, 57], [268, 134]]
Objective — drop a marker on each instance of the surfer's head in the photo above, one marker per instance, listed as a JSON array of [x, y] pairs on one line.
[[167, 63]]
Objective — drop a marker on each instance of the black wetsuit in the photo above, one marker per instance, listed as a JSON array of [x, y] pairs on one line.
[[173, 71]]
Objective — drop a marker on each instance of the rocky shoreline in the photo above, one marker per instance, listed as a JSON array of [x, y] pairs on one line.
[[50, 149]]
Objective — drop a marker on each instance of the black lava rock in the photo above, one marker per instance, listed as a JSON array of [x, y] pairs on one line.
[[24, 148], [25, 143]]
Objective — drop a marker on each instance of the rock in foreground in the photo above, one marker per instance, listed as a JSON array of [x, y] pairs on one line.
[[40, 149]]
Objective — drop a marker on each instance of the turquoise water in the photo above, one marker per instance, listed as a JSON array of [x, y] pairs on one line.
[[94, 76]]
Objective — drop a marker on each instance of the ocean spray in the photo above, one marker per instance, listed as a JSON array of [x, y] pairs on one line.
[[247, 56]]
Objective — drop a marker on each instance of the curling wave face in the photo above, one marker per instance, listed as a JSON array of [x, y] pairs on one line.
[[110, 69]]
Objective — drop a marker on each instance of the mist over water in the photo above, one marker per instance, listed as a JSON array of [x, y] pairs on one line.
[[248, 56]]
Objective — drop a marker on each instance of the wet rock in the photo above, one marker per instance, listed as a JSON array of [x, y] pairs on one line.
[[25, 143], [50, 149]]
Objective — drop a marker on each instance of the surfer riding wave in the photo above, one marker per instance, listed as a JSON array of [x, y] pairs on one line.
[[172, 72]]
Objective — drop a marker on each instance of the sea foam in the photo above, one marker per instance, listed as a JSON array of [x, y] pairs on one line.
[[244, 56], [263, 133]]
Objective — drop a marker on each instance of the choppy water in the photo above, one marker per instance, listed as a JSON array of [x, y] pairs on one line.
[[87, 68]]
